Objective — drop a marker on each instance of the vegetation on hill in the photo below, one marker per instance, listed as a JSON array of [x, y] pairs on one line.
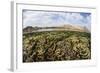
[[56, 46]]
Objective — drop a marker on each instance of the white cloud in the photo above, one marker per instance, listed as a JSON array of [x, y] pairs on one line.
[[43, 18]]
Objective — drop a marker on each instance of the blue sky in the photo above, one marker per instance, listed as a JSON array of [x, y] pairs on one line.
[[51, 18]]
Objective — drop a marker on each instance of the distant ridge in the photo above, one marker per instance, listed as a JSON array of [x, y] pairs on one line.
[[67, 27], [75, 28]]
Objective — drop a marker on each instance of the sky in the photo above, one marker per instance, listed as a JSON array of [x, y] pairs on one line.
[[52, 18]]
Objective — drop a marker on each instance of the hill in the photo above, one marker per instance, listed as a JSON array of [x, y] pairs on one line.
[[68, 27]]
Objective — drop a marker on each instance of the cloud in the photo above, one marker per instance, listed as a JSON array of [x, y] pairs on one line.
[[45, 18], [74, 18]]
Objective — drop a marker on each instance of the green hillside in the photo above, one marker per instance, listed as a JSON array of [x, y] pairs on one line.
[[56, 46]]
